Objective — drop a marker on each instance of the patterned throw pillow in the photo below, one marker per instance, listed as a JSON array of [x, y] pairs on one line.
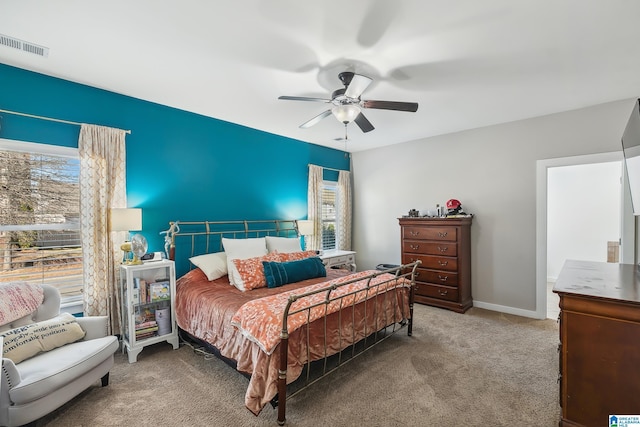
[[251, 271], [27, 341], [296, 256], [242, 249]]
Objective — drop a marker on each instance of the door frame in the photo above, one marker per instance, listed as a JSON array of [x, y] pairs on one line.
[[627, 221]]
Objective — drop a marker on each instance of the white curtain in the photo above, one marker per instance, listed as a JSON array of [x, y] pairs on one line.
[[102, 187], [343, 212], [314, 208]]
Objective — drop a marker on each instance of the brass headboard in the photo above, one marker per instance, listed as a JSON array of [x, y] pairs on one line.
[[192, 238]]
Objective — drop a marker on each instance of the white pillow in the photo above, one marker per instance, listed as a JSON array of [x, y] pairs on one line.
[[213, 265], [283, 244], [27, 341], [242, 249]]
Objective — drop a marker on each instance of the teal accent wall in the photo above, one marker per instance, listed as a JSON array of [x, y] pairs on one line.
[[180, 165]]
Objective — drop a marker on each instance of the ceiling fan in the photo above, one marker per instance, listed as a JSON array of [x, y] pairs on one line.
[[347, 104]]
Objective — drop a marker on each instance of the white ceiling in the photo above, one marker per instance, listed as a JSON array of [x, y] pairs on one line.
[[468, 63]]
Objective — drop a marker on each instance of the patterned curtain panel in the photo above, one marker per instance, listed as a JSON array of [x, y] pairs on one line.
[[314, 206], [343, 214], [102, 187]]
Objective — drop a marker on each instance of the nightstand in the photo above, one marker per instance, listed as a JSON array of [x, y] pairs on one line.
[[148, 309], [338, 258]]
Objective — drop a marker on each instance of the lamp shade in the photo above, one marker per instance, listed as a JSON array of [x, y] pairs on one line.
[[126, 219], [305, 227], [345, 113]]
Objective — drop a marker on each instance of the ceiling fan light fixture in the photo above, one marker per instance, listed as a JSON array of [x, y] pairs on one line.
[[346, 113], [347, 105]]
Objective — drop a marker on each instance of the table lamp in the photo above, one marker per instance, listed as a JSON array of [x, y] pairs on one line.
[[305, 228], [126, 219]]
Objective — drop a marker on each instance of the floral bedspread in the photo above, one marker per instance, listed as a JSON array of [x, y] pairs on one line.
[[205, 308], [260, 320]]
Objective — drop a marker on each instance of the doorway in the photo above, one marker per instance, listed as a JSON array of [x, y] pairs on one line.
[[581, 207]]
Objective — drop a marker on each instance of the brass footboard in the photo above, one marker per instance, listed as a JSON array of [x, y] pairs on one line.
[[379, 297], [331, 340]]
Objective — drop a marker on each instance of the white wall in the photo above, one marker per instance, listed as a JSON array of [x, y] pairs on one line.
[[492, 171], [583, 213]]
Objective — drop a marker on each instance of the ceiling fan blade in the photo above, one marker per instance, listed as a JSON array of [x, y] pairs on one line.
[[391, 105], [303, 98], [364, 124], [357, 86], [316, 119]]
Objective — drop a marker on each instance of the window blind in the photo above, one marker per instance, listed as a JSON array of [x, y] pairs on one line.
[[329, 191], [40, 219]]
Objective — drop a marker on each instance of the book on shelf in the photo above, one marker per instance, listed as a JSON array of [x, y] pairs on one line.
[[146, 292], [145, 336], [141, 285], [145, 330], [144, 314], [159, 291], [148, 324]]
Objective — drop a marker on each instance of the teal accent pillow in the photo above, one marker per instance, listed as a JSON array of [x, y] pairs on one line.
[[281, 273]]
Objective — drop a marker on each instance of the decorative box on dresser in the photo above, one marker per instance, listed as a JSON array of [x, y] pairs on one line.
[[599, 342], [443, 245]]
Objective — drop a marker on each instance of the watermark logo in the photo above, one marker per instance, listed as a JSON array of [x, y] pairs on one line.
[[624, 420]]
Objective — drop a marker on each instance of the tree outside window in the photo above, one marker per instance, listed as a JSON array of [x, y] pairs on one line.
[[39, 216]]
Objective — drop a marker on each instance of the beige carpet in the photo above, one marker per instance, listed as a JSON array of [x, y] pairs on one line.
[[478, 369]]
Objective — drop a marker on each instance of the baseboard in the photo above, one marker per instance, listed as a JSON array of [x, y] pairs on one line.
[[505, 309]]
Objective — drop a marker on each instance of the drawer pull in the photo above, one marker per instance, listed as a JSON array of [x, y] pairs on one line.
[[414, 233], [443, 278], [443, 249], [442, 293], [442, 234], [417, 274], [414, 247], [442, 263]]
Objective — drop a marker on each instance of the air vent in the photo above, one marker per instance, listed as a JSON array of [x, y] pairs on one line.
[[24, 46]]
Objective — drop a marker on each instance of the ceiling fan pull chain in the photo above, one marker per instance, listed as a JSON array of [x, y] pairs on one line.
[[346, 137]]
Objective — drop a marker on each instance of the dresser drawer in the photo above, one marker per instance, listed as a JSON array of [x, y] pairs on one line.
[[435, 291], [437, 277], [432, 262], [430, 233], [442, 245], [430, 248]]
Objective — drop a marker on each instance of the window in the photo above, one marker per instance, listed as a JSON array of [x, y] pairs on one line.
[[329, 193], [40, 216]]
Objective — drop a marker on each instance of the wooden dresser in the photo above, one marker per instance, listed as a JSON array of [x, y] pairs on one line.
[[444, 247], [599, 342]]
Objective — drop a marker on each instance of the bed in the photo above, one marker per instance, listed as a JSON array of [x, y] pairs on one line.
[[310, 322]]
